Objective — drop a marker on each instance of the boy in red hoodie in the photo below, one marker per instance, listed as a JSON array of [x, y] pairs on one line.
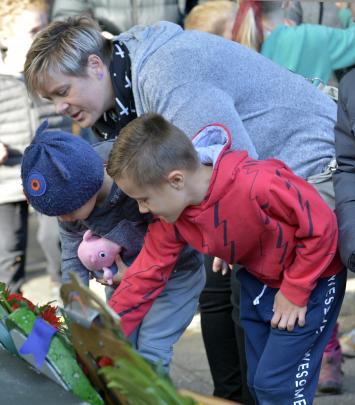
[[255, 213]]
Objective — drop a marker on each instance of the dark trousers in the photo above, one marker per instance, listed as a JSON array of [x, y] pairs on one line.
[[283, 367], [13, 242], [223, 338]]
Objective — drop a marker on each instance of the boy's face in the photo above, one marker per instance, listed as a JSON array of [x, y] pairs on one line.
[[167, 201], [81, 213]]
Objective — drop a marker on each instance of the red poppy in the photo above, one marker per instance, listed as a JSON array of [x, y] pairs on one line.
[[15, 298], [49, 314]]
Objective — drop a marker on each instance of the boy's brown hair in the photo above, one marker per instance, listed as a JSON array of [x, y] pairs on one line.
[[149, 148]]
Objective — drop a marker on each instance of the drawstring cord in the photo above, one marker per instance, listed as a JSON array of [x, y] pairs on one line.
[[257, 299]]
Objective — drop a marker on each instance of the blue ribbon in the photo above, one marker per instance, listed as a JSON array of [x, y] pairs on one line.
[[39, 341]]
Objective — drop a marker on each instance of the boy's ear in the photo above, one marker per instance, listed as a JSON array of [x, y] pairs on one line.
[[176, 179]]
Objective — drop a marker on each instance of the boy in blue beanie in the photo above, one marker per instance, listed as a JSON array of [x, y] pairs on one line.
[[64, 176]]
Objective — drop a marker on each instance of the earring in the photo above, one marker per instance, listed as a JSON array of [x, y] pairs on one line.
[[100, 75]]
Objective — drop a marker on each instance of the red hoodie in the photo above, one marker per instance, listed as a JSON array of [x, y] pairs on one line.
[[255, 213]]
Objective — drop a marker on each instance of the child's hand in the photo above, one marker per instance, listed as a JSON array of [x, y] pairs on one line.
[[286, 313], [122, 268], [219, 264], [116, 279]]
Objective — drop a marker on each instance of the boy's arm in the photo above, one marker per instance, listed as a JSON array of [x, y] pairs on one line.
[[293, 202], [344, 177], [70, 240], [148, 275]]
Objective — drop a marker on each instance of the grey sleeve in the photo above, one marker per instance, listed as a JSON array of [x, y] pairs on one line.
[[344, 178], [70, 240]]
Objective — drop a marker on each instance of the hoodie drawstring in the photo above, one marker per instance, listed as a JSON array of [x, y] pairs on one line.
[[257, 299]]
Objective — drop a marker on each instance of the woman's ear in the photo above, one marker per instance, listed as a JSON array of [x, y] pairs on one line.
[[96, 66], [176, 179]]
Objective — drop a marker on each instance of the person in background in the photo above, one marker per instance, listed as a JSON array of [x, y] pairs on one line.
[[344, 180], [19, 22], [277, 32], [314, 51], [121, 15]]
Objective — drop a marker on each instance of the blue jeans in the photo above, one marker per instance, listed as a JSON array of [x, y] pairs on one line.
[[283, 367], [169, 316]]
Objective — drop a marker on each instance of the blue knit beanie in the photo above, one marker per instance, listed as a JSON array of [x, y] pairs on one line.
[[60, 172]]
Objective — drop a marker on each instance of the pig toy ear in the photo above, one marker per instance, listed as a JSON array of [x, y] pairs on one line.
[[87, 235]]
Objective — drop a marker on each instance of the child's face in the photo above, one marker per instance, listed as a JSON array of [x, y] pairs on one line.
[[81, 213], [165, 201]]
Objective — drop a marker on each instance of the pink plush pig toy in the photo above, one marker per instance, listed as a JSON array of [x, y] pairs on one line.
[[98, 254]]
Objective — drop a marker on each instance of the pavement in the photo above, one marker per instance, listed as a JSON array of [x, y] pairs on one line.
[[190, 369]]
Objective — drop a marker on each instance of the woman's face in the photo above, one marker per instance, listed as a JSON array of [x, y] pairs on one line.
[[84, 99]]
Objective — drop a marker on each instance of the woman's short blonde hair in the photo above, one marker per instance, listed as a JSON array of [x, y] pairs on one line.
[[212, 16], [64, 47]]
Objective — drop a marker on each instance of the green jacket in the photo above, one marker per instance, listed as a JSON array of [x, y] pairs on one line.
[[313, 51]]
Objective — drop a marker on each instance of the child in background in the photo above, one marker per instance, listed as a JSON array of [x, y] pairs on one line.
[[256, 213], [277, 32], [64, 176]]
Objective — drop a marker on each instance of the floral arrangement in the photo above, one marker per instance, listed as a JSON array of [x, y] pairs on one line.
[[86, 342], [40, 335], [12, 301]]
